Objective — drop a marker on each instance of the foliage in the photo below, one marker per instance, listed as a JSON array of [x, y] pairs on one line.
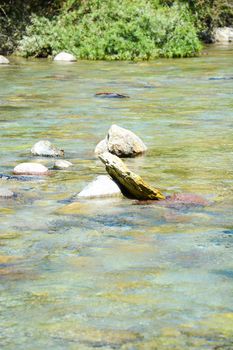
[[113, 30], [15, 16]]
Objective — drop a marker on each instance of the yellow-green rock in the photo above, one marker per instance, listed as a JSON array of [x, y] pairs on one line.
[[131, 184]]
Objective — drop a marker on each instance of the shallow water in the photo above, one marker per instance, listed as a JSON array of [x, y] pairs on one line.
[[113, 274]]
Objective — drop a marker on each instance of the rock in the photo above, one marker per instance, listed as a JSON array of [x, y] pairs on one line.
[[131, 184], [121, 142], [102, 186], [101, 147], [62, 164], [30, 169], [110, 95], [64, 56], [223, 35], [45, 148], [5, 193], [3, 60]]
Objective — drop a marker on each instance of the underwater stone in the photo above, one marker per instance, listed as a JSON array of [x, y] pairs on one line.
[[5, 193], [46, 148], [131, 184]]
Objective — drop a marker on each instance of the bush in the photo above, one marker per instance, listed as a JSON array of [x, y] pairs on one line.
[[113, 30]]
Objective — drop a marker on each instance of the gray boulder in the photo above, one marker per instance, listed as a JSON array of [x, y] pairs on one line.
[[3, 60], [65, 56], [47, 149], [223, 35], [102, 186], [121, 142]]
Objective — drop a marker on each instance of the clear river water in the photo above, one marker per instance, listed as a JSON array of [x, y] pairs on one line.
[[117, 273]]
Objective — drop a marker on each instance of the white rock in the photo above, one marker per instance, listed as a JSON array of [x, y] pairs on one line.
[[3, 60], [102, 186], [223, 35], [62, 164], [121, 142], [101, 147], [46, 148], [5, 193], [64, 56], [30, 169], [124, 143]]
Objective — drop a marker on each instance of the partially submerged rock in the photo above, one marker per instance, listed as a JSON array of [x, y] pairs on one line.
[[62, 164], [6, 193], [65, 56], [223, 35], [47, 149], [102, 186], [3, 60], [121, 142], [131, 184], [30, 169], [110, 95]]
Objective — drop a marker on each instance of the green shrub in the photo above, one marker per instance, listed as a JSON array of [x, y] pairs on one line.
[[113, 30]]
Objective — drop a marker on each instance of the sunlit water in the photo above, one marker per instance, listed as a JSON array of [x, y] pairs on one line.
[[116, 275]]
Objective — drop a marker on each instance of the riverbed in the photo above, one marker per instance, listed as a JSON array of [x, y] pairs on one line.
[[117, 273]]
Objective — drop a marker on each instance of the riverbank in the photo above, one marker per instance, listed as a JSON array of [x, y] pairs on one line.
[[110, 30]]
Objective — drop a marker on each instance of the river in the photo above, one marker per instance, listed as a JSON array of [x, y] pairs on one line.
[[118, 274]]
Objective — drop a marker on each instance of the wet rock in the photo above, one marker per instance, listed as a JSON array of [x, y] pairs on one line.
[[47, 149], [30, 169], [102, 186], [5, 193], [3, 60], [186, 199], [65, 56], [223, 35], [121, 142], [131, 184], [17, 178], [62, 164], [110, 95]]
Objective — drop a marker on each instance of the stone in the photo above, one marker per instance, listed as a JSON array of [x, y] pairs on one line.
[[124, 143], [30, 169], [3, 60], [102, 186], [64, 56], [131, 184], [110, 95], [121, 142], [5, 193], [62, 164], [101, 147], [47, 149], [223, 35]]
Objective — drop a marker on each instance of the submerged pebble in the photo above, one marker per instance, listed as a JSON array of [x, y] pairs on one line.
[[6, 193]]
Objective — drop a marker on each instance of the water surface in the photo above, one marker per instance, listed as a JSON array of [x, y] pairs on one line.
[[116, 274]]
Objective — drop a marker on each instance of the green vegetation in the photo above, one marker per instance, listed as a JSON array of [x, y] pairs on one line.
[[110, 29]]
